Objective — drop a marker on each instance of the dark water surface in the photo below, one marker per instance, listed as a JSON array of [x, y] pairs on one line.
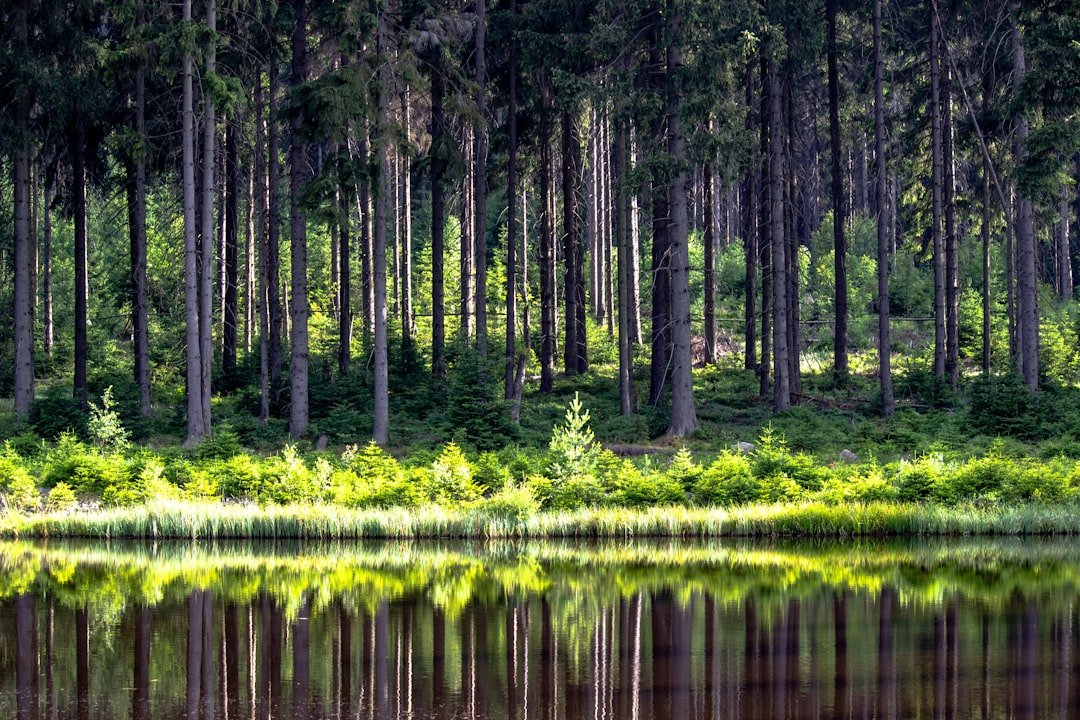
[[958, 629]]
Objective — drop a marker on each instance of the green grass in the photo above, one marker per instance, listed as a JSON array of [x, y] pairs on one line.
[[162, 520]]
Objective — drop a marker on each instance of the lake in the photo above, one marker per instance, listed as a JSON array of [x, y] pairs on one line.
[[964, 628]]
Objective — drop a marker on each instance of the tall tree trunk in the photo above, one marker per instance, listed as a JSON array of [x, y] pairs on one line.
[[622, 239], [635, 247], [24, 251], [765, 234], [511, 218], [298, 178], [273, 235], [888, 403], [345, 317], [260, 198], [78, 188], [709, 240], [937, 181], [571, 173], [46, 270], [791, 238], [381, 416], [249, 261], [466, 250], [547, 251], [660, 360], [751, 192], [480, 157], [781, 361], [363, 200], [840, 298], [683, 416], [1064, 253], [407, 316], [438, 224], [1027, 279], [952, 261], [984, 232], [137, 233], [195, 428], [231, 322], [206, 259]]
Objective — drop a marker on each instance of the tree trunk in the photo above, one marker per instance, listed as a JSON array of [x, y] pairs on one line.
[[547, 253], [792, 241], [206, 259], [273, 253], [937, 185], [466, 250], [23, 252], [511, 219], [1027, 279], [381, 415], [840, 297], [407, 316], [571, 177], [622, 239], [984, 232], [751, 192], [709, 241], [781, 361], [683, 416], [438, 224], [249, 260], [298, 178], [765, 235], [1064, 267], [367, 279], [230, 326], [952, 262], [344, 286], [888, 404], [260, 198], [47, 254], [659, 365], [480, 157], [635, 247], [195, 428]]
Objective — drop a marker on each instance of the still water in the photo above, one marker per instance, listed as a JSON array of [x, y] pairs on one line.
[[958, 629]]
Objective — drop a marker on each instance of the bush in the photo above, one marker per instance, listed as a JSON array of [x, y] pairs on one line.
[[918, 481], [286, 479], [569, 494], [105, 427], [869, 487], [1004, 405], [573, 451], [85, 470], [21, 493], [143, 481], [637, 489], [51, 416], [240, 476], [975, 479], [727, 481], [350, 490], [683, 470], [772, 462], [222, 444], [451, 482], [61, 498], [475, 412], [1036, 484], [513, 504]]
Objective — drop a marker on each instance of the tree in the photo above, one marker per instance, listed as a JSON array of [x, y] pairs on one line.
[[23, 300], [136, 189], [840, 298], [1026, 275], [439, 151], [196, 429], [510, 373], [206, 249], [480, 158], [381, 416], [937, 184], [888, 403], [778, 248], [298, 307]]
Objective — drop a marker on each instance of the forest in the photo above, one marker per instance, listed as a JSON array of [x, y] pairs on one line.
[[825, 245]]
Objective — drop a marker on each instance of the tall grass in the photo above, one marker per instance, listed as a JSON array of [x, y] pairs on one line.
[[174, 519]]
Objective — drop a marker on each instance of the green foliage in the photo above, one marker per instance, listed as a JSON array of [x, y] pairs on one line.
[[451, 481], [1004, 405], [20, 491], [372, 478], [54, 415], [475, 412], [104, 426], [511, 505], [573, 451], [773, 465], [727, 481], [84, 469], [61, 498]]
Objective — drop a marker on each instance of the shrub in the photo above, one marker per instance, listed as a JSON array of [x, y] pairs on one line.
[[21, 493], [451, 482], [475, 412], [637, 489], [84, 469], [104, 426], [569, 494], [573, 451], [727, 481], [222, 444], [491, 473], [869, 487], [976, 478], [240, 476], [771, 462], [285, 479], [350, 490], [1004, 405], [144, 480], [683, 470], [513, 504], [918, 481], [61, 498], [51, 416], [1039, 483]]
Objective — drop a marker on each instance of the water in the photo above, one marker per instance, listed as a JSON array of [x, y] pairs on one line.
[[960, 629]]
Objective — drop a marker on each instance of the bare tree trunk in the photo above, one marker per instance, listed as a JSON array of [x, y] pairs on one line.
[[231, 323], [937, 183], [367, 280], [206, 259], [765, 235], [298, 178], [344, 285], [137, 233], [438, 224], [381, 415], [888, 403], [466, 250], [1064, 267], [840, 298], [260, 198], [952, 261], [781, 361], [984, 231], [622, 238], [273, 254], [635, 247], [480, 158], [709, 241], [23, 251], [792, 241], [547, 253], [1027, 276], [683, 419], [511, 220], [249, 260], [407, 315], [47, 253], [751, 192], [572, 252], [195, 427]]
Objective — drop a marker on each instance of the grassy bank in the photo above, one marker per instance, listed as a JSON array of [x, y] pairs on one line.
[[191, 520]]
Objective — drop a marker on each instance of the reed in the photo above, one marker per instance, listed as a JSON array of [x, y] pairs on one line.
[[192, 520]]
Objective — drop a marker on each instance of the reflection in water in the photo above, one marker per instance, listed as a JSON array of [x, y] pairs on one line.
[[551, 632]]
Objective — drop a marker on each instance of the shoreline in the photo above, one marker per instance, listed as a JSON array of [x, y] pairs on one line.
[[218, 521]]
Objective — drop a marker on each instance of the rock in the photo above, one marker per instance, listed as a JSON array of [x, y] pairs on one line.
[[322, 442], [848, 456], [745, 447]]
